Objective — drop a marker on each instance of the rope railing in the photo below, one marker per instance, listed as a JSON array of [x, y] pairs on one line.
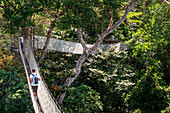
[[35, 106], [46, 100]]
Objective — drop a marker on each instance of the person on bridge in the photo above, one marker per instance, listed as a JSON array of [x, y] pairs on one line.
[[34, 78], [21, 39]]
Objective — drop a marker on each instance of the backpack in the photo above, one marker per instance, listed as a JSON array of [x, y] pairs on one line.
[[35, 79]]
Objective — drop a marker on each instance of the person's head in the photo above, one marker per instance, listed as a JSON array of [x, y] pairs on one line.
[[22, 35], [33, 70]]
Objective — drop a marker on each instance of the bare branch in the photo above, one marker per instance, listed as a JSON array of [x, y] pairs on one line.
[[105, 33], [86, 53], [126, 5], [81, 38], [47, 41], [49, 34], [111, 18]]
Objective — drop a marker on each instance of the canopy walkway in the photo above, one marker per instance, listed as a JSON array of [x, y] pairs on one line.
[[71, 47], [46, 102], [65, 46]]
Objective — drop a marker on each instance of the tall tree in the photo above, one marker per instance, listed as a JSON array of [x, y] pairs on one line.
[[81, 20], [18, 13]]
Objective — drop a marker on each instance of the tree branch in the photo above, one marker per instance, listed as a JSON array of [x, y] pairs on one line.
[[105, 33], [87, 52], [166, 2], [47, 40], [49, 34], [81, 38], [111, 18]]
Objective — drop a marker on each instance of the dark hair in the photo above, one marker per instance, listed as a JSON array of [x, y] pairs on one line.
[[21, 34], [33, 70]]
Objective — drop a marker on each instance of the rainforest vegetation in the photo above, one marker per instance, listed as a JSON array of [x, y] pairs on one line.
[[135, 80]]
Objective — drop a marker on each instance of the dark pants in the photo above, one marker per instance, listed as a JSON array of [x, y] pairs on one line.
[[34, 88], [21, 46]]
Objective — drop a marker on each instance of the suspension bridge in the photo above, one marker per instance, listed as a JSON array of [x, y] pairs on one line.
[[46, 102]]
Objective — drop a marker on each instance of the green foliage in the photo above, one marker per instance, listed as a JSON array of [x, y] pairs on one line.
[[111, 76], [167, 110], [148, 97], [133, 81], [92, 15], [19, 13], [68, 35], [14, 96], [150, 53], [82, 99], [8, 61], [152, 40], [56, 68]]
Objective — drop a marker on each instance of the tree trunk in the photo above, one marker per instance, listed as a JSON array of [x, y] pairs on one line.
[[47, 41], [88, 51]]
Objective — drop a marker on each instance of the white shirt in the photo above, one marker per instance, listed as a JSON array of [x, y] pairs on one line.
[[22, 39], [31, 76]]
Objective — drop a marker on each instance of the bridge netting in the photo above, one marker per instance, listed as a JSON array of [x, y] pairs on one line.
[[46, 103]]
